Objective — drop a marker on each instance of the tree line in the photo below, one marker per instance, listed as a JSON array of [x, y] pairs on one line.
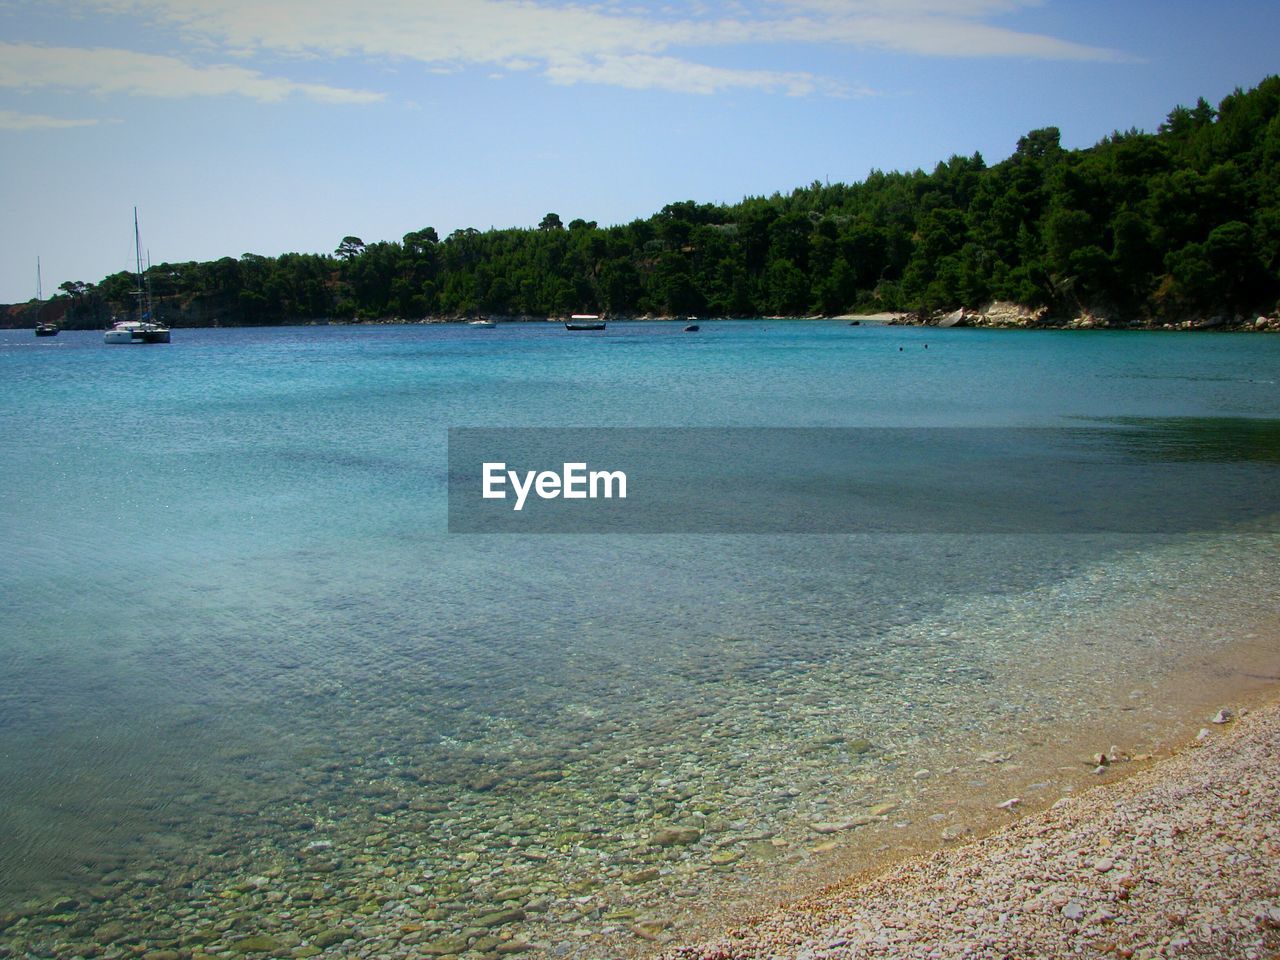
[[1181, 222]]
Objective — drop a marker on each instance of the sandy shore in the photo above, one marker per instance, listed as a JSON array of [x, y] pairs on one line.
[[1180, 860]]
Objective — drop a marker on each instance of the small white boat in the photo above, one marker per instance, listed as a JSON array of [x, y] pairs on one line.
[[43, 328], [584, 321], [481, 322], [136, 331]]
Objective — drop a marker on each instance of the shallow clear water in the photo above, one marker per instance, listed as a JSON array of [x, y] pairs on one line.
[[237, 641]]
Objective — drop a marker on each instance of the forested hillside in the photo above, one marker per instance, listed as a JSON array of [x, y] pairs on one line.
[[1148, 226]]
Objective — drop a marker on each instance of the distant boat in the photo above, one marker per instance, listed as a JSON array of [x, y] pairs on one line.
[[855, 323], [136, 331], [145, 329], [480, 322], [42, 329], [584, 321], [690, 328]]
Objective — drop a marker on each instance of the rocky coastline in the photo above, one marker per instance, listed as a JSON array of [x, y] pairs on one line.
[[1003, 314]]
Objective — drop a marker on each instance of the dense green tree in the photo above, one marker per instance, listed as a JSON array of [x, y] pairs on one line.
[[350, 248]]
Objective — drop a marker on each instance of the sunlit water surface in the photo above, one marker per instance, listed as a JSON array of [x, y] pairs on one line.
[[249, 686]]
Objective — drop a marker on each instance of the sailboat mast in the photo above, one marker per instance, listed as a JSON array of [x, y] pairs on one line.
[[151, 304], [39, 284], [137, 249]]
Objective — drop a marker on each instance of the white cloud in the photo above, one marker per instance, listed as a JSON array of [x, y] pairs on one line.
[[931, 28], [12, 120], [628, 44], [642, 72], [103, 70], [569, 44], [941, 36], [912, 8], [469, 31]]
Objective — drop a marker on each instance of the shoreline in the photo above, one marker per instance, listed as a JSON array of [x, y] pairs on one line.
[[995, 317], [1179, 857]]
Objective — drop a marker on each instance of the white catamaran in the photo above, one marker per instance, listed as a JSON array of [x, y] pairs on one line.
[[145, 329]]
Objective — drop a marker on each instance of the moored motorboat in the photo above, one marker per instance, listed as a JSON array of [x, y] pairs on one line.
[[584, 321], [483, 322], [46, 329]]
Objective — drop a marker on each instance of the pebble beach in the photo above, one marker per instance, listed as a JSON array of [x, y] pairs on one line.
[[1181, 859]]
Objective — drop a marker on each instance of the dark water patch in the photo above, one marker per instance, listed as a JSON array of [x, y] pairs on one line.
[[1215, 440]]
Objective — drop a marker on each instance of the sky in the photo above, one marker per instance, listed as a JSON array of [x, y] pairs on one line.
[[271, 126]]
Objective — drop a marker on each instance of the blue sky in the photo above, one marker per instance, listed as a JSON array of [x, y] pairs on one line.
[[268, 126]]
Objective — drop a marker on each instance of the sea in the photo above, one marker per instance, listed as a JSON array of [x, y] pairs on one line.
[[257, 698]]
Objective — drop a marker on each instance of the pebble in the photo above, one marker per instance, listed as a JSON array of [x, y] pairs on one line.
[[109, 933], [499, 918], [444, 947], [836, 826], [649, 929], [676, 836], [327, 938]]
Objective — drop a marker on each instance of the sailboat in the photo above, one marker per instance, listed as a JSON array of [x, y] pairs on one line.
[[42, 329], [145, 329]]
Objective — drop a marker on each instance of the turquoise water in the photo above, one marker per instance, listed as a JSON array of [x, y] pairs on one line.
[[243, 665]]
